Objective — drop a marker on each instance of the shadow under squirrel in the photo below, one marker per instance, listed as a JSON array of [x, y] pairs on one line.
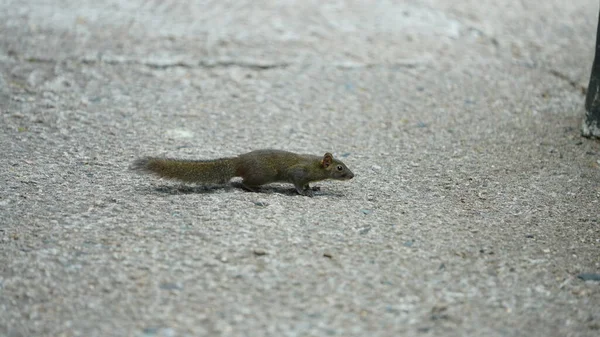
[[256, 168]]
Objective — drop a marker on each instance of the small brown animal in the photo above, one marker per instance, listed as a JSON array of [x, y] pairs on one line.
[[256, 168]]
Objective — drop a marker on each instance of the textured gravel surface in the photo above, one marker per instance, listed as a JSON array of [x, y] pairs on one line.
[[474, 211]]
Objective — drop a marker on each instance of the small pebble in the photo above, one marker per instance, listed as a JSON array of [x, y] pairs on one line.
[[366, 211], [589, 277], [376, 168], [439, 312], [260, 252], [328, 255], [170, 286], [150, 331]]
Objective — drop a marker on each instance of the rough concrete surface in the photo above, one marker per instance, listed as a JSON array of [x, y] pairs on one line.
[[474, 209]]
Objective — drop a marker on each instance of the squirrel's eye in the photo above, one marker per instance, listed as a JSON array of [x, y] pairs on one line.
[[339, 167]]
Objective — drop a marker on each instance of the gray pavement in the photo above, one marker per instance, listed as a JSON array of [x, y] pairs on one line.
[[474, 208]]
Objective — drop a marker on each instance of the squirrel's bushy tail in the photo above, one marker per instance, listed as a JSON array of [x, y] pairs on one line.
[[218, 171]]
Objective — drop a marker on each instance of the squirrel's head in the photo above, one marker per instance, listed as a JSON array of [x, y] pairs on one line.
[[337, 170]]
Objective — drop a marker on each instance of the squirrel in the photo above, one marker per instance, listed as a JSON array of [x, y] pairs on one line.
[[256, 168]]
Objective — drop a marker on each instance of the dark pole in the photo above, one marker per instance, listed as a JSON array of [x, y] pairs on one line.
[[591, 123]]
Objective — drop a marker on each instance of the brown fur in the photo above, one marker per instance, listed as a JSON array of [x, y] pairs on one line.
[[256, 168]]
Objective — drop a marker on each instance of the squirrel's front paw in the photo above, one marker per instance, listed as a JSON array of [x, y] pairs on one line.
[[306, 191]]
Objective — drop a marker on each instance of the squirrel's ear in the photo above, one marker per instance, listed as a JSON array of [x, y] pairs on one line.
[[327, 159]]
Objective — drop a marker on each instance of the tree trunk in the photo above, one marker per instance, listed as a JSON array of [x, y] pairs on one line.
[[591, 123]]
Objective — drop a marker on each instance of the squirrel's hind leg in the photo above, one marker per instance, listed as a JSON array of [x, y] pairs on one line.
[[250, 188]]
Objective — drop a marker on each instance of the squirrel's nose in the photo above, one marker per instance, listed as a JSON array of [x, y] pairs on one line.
[[350, 175]]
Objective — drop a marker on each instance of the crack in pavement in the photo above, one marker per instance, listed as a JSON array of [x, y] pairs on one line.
[[179, 64], [213, 63], [574, 84]]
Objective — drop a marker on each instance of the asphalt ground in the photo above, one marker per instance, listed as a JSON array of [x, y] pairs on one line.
[[474, 210]]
